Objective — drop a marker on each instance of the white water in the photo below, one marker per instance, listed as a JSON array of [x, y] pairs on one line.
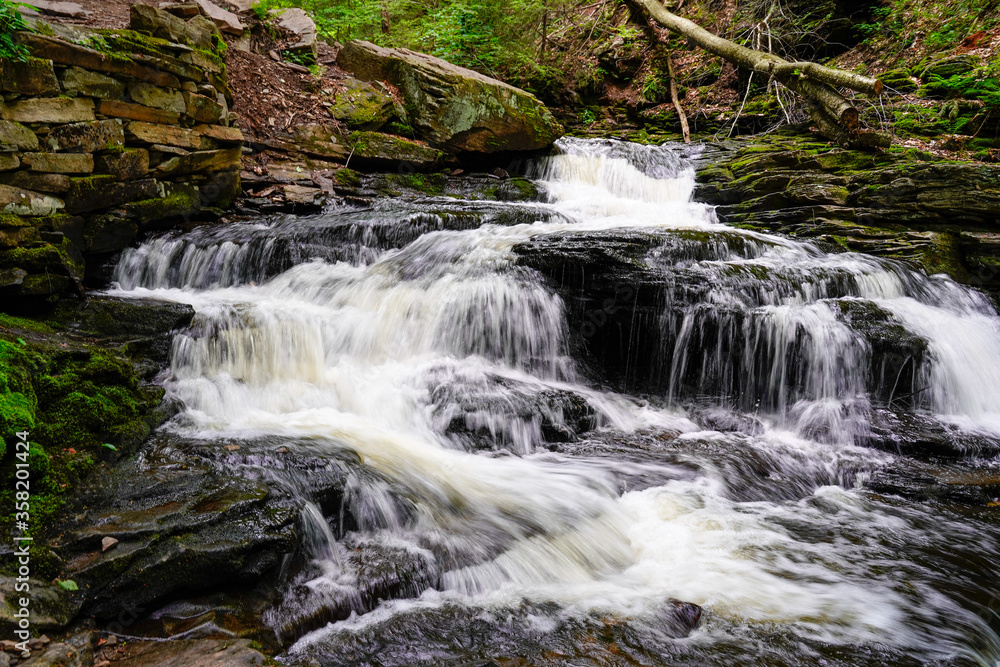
[[355, 355]]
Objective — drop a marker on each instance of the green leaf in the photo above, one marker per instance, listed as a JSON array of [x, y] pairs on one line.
[[68, 584], [110, 446], [21, 341]]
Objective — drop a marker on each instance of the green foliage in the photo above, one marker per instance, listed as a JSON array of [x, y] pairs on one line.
[[10, 21], [967, 86], [500, 39]]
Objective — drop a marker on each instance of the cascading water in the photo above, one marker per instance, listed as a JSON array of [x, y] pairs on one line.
[[544, 512]]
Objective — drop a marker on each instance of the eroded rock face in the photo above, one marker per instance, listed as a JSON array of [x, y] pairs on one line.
[[454, 108]]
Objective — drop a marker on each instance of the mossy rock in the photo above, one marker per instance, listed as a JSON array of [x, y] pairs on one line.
[[376, 147], [361, 107]]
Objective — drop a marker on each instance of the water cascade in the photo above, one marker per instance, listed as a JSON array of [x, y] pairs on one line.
[[557, 450]]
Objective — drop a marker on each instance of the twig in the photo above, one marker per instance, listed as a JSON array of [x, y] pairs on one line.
[[685, 130]]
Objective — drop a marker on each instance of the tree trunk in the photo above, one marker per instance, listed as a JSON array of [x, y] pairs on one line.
[[685, 130], [812, 81]]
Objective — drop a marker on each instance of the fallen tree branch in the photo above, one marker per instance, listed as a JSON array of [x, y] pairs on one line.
[[685, 130], [815, 83]]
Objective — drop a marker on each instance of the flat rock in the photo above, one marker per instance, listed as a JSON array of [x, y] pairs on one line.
[[29, 77], [202, 161], [55, 8], [65, 53], [101, 192], [125, 166], [226, 135], [49, 110], [303, 196], [204, 109], [92, 137], [183, 10], [139, 112], [191, 653], [452, 107], [151, 133], [52, 607], [25, 202], [9, 161], [52, 184], [79, 81], [15, 137], [226, 20], [159, 23], [378, 147], [59, 163], [165, 99]]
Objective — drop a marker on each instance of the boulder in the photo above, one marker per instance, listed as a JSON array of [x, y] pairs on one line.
[[165, 99], [29, 77], [298, 22], [381, 148], [949, 66], [79, 81], [98, 135], [51, 608], [225, 20], [454, 108], [25, 202], [196, 32], [361, 107], [49, 110], [59, 163], [16, 137]]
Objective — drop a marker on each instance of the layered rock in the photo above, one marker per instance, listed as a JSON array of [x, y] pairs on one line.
[[942, 216], [454, 108], [104, 133]]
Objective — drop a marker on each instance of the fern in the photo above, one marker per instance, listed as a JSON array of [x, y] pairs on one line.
[[11, 21]]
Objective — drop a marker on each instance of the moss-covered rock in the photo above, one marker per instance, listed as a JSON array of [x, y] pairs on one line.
[[454, 108], [361, 107], [379, 149]]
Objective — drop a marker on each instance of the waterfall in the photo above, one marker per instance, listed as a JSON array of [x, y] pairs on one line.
[[411, 335]]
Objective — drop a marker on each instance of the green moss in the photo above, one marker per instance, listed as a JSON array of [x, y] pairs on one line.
[[347, 178], [71, 401], [173, 205], [431, 184]]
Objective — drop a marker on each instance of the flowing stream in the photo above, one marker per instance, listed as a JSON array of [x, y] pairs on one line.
[[547, 514]]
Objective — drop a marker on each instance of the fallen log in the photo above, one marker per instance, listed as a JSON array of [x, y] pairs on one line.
[[814, 82]]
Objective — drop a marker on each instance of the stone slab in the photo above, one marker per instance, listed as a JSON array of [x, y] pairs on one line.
[[49, 110], [83, 82], [227, 21], [165, 99], [65, 53], [93, 137], [9, 161], [53, 184], [139, 112], [14, 136], [27, 203], [152, 133], [127, 166], [59, 163], [201, 161], [204, 109], [30, 77]]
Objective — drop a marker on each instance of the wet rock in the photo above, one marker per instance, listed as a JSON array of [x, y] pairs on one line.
[[146, 323], [922, 436], [454, 108], [379, 149], [51, 607], [191, 653], [179, 527]]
